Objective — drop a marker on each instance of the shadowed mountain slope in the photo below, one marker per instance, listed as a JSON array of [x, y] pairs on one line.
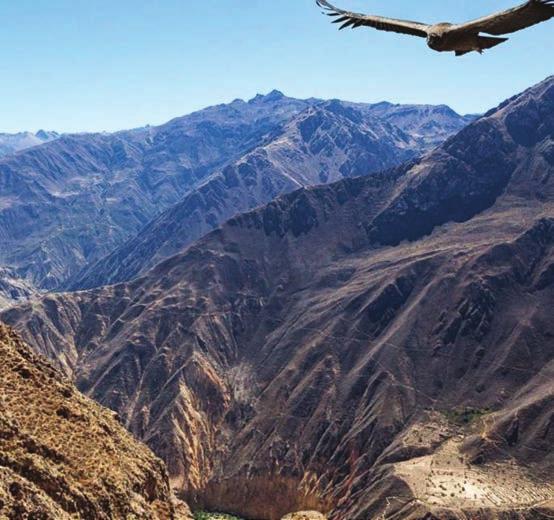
[[73, 200], [381, 346], [322, 144], [63, 456], [66, 204]]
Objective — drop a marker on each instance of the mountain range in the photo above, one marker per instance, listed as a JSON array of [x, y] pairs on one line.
[[12, 143], [73, 211], [322, 144], [375, 347]]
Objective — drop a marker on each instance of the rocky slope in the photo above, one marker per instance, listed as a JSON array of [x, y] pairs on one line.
[[71, 201], [63, 456], [377, 347], [12, 143], [322, 144], [66, 204], [429, 125], [13, 289]]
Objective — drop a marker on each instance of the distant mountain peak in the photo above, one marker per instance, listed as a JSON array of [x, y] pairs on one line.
[[12, 143], [274, 95], [339, 108], [165, 164], [383, 104], [46, 135]]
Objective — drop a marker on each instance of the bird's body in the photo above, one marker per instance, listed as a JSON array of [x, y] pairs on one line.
[[442, 39], [477, 35], [438, 39]]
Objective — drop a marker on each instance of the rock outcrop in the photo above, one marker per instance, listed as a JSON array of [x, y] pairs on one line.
[[63, 456]]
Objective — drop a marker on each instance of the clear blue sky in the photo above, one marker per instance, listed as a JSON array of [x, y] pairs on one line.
[[76, 65]]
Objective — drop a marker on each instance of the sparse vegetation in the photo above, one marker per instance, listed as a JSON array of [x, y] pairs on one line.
[[466, 416], [202, 515]]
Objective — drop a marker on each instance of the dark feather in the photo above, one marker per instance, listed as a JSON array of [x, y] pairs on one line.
[[512, 20], [355, 20]]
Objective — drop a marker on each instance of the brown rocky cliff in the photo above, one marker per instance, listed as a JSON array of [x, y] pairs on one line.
[[63, 456]]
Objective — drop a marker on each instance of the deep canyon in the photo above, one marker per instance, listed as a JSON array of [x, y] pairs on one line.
[[298, 305]]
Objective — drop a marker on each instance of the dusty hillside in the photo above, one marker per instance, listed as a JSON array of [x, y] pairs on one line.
[[378, 347], [62, 456]]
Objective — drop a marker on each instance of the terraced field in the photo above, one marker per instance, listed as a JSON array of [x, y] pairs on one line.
[[447, 480], [307, 515]]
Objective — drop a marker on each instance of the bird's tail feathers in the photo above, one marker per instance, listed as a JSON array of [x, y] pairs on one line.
[[488, 42], [484, 42]]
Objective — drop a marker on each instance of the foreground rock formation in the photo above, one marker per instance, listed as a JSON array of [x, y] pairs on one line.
[[63, 456], [381, 347]]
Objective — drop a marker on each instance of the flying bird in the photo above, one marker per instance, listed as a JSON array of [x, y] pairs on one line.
[[448, 37]]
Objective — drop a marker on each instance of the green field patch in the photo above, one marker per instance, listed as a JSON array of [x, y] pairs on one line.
[[466, 416], [202, 515]]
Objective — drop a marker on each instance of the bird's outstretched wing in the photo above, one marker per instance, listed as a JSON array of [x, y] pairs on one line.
[[530, 13], [354, 20]]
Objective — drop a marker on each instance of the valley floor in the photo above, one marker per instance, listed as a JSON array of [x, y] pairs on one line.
[[214, 516], [305, 515]]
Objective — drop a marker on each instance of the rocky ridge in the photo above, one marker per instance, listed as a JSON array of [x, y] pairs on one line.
[[71, 201], [429, 125], [322, 144]]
